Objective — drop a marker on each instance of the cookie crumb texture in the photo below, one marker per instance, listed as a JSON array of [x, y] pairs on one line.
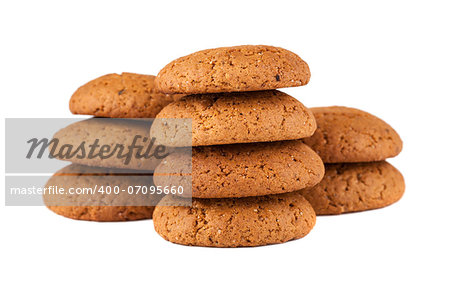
[[244, 170], [356, 187], [349, 135], [238, 68], [245, 117], [126, 95], [243, 222]]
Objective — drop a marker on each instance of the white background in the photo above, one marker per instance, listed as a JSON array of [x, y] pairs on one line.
[[390, 58]]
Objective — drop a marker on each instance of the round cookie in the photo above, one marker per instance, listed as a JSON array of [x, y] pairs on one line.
[[243, 222], [237, 68], [113, 133], [243, 117], [97, 206], [349, 135], [242, 170], [126, 95], [355, 187]]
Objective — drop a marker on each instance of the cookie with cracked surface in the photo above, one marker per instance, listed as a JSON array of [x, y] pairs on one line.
[[96, 135], [126, 95], [355, 187], [242, 170], [97, 206], [349, 135], [242, 222], [237, 68], [242, 117]]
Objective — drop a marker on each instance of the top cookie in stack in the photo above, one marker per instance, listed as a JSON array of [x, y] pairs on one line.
[[231, 69], [247, 155], [126, 95]]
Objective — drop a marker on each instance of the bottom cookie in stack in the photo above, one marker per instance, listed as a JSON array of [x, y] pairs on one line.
[[100, 194], [354, 144], [235, 222], [353, 187]]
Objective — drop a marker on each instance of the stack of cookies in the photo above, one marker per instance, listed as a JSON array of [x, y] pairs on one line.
[[354, 145], [256, 169], [130, 99], [248, 160]]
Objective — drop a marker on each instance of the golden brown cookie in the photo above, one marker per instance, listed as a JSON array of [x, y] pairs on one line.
[[355, 187], [98, 205], [109, 135], [349, 135], [243, 117], [244, 170], [126, 95], [243, 222], [237, 68]]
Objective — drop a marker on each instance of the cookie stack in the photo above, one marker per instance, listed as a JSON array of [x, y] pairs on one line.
[[354, 145], [121, 97], [256, 168], [248, 160]]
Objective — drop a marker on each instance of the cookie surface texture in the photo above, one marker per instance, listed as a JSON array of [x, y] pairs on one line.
[[350, 135], [230, 69], [355, 187], [242, 222], [245, 170], [126, 95], [246, 117]]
